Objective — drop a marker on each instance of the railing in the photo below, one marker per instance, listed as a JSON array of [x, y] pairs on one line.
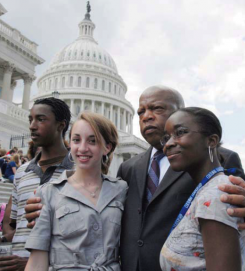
[[19, 141], [133, 139], [13, 111], [16, 35]]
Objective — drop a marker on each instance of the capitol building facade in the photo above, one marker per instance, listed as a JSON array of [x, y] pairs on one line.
[[85, 76], [18, 59]]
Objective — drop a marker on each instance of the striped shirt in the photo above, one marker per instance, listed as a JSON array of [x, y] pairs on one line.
[[27, 179]]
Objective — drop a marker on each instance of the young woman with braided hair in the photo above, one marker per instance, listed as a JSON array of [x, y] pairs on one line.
[[204, 236]]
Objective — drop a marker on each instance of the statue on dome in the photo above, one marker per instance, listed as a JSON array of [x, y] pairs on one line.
[[88, 7]]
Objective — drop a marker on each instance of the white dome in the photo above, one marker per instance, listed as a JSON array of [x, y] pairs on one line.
[[85, 76], [84, 50]]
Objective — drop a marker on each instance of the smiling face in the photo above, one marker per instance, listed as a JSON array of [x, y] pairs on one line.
[[45, 130], [155, 106], [86, 151], [186, 148]]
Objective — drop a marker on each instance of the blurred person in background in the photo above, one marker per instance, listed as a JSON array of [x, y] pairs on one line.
[[2, 160], [2, 152], [33, 150], [20, 152], [24, 159], [12, 151], [12, 166]]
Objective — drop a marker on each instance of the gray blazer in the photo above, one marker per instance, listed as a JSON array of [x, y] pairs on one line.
[[76, 233]]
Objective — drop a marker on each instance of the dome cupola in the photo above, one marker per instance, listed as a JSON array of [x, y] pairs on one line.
[[86, 26]]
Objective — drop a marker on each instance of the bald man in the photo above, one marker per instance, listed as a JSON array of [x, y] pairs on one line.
[[146, 223]]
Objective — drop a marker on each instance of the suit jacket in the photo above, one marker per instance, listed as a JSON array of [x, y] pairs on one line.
[[145, 229]]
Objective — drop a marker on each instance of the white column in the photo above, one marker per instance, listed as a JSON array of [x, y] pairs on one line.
[[12, 87], [124, 120], [82, 106], [93, 102], [118, 118], [27, 91], [6, 90], [59, 82], [102, 108], [111, 112], [72, 106], [131, 124]]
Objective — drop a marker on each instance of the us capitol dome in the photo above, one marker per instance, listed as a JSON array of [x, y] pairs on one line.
[[86, 77]]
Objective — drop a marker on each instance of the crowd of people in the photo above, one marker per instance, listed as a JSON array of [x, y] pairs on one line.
[[10, 161], [170, 208]]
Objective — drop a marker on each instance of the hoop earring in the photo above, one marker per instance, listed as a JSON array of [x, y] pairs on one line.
[[211, 156], [105, 158], [70, 157]]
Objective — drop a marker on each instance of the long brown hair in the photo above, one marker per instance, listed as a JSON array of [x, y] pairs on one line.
[[103, 128], [16, 159], [2, 152]]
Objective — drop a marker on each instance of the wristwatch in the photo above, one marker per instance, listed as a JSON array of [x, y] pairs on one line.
[[3, 239]]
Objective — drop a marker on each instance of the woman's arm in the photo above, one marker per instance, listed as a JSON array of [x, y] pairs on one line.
[[38, 261], [221, 246], [14, 170], [13, 166]]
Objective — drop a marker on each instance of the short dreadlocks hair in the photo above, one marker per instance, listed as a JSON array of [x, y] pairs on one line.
[[60, 110]]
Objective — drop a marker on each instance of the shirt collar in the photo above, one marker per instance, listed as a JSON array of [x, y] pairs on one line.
[[66, 163], [33, 163], [153, 151], [67, 173]]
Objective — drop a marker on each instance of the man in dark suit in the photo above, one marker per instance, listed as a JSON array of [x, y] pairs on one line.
[[146, 224]]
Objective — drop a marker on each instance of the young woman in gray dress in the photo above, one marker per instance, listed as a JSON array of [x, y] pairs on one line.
[[204, 236], [79, 225]]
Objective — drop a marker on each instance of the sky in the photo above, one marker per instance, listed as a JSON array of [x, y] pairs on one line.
[[194, 46]]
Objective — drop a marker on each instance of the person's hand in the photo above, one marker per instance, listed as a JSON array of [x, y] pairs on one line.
[[12, 263], [32, 208], [236, 197]]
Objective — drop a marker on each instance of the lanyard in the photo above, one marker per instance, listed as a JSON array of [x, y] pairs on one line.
[[192, 196]]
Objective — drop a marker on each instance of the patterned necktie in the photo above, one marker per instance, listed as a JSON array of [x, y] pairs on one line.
[[153, 175]]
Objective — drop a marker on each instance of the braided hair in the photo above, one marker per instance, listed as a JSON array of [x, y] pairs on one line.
[[60, 110], [207, 121]]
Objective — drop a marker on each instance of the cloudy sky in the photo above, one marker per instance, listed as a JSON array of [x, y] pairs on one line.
[[195, 46]]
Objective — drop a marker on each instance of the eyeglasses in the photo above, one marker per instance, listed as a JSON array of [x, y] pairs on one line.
[[178, 133]]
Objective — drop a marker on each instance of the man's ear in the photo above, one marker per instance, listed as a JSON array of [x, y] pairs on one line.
[[213, 141], [62, 125]]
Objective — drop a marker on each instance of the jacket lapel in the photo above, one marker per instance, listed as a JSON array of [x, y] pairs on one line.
[[70, 192], [169, 178], [109, 191]]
